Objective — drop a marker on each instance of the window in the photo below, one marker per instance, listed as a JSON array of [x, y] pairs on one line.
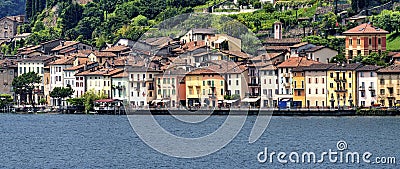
[[309, 80], [316, 91], [349, 85], [222, 91], [331, 85], [229, 82], [371, 74], [369, 41], [172, 81], [309, 91], [351, 41], [358, 41], [237, 82], [382, 91], [362, 94], [298, 93], [168, 80], [382, 81], [379, 41], [361, 74], [316, 80], [173, 91], [349, 74], [222, 83], [323, 91], [331, 75]]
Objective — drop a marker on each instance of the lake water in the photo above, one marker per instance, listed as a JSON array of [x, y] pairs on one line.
[[84, 141]]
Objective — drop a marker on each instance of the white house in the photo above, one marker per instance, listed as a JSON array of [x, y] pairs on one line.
[[120, 86], [367, 85], [35, 64], [57, 76], [141, 86], [269, 86]]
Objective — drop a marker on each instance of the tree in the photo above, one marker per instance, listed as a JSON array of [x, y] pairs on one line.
[[89, 97], [340, 58], [61, 92], [24, 86], [5, 99]]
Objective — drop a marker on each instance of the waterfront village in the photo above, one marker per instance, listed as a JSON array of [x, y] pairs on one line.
[[206, 69]]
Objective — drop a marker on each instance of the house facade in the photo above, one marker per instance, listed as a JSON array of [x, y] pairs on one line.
[[269, 84], [389, 86], [342, 85], [367, 79], [364, 39]]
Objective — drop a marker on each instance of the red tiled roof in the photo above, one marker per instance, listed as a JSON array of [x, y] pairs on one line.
[[79, 66], [121, 75], [295, 62], [103, 72], [116, 49], [66, 45], [238, 54], [193, 45], [365, 29], [104, 54], [63, 61]]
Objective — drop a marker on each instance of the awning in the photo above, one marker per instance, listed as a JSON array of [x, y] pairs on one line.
[[219, 101], [230, 101], [285, 100], [156, 101], [251, 100], [165, 101], [219, 41]]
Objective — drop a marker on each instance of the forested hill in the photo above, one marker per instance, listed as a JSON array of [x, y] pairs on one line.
[[12, 7], [98, 21]]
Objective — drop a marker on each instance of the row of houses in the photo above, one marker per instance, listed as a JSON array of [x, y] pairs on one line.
[[203, 68]]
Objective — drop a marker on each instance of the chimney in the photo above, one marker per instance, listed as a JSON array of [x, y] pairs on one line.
[[277, 30]]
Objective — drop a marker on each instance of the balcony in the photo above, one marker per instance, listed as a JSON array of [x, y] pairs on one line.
[[287, 85], [341, 90], [254, 84], [212, 96], [390, 95], [299, 88], [340, 80], [371, 88], [361, 88]]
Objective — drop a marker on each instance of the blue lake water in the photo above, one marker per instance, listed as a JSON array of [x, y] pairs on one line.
[[84, 141]]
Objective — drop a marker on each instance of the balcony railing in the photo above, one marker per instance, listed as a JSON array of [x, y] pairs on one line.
[[340, 80], [390, 95], [287, 85], [362, 88], [254, 84], [298, 87], [371, 88], [341, 90]]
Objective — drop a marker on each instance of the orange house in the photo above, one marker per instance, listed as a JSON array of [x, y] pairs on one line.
[[364, 39]]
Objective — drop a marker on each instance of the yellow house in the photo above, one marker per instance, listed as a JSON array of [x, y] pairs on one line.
[[389, 86], [342, 85], [299, 96], [204, 87]]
